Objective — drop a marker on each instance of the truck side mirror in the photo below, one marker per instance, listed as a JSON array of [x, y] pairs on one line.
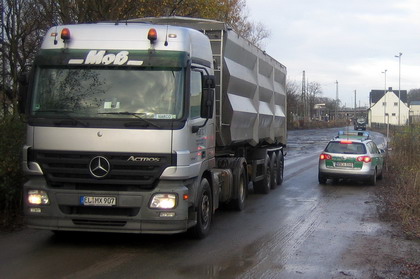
[[209, 82], [207, 100], [207, 103]]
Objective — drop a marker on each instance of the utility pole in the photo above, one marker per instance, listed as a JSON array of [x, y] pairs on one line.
[[303, 94], [336, 99], [355, 110], [399, 87], [384, 72]]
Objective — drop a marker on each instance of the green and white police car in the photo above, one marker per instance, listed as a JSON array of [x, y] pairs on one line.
[[351, 155]]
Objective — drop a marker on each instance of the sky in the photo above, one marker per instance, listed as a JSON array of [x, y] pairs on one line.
[[351, 42]]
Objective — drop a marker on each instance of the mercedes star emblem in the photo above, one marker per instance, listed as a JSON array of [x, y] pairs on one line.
[[99, 167]]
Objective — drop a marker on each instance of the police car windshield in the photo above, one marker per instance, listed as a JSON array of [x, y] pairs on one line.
[[345, 147], [104, 92]]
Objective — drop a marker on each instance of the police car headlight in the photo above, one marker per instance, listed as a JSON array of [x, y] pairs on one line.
[[38, 197], [163, 201]]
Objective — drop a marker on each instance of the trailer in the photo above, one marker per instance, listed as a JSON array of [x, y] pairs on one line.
[[150, 125]]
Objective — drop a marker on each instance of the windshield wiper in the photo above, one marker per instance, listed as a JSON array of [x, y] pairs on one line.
[[73, 120], [135, 114]]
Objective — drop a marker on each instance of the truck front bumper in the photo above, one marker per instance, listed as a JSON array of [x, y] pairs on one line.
[[130, 214]]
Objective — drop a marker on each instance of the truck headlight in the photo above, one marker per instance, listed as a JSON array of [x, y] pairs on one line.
[[163, 201], [37, 197]]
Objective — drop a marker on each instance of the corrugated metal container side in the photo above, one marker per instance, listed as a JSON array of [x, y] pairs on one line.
[[250, 86]]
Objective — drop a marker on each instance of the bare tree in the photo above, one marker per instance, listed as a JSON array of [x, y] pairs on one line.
[[22, 28], [314, 90], [293, 100]]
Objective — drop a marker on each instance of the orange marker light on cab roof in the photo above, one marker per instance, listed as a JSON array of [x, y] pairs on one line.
[[345, 141], [65, 34], [152, 35]]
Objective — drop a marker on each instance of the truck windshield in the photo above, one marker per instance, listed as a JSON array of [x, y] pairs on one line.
[[108, 93]]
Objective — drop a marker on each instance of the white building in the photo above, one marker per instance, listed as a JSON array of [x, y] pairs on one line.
[[388, 108], [415, 112], [415, 107]]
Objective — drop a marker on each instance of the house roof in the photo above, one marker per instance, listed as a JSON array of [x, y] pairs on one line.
[[375, 95], [415, 103]]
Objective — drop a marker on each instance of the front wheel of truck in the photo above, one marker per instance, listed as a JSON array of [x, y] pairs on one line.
[[204, 211]]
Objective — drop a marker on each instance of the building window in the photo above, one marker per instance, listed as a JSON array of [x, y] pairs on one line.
[[393, 114], [395, 104], [384, 103]]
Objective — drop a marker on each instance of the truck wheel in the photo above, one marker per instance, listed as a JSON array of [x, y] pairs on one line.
[[204, 211], [263, 186], [280, 168], [240, 182], [274, 171]]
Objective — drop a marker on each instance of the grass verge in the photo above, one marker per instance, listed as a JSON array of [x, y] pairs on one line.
[[400, 192]]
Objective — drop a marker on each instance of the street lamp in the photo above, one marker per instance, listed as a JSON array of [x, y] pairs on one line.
[[384, 72], [399, 86]]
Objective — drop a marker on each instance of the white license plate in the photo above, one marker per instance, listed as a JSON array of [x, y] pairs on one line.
[[344, 164], [98, 201]]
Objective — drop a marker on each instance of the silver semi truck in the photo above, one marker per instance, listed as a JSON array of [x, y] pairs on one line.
[[149, 126]]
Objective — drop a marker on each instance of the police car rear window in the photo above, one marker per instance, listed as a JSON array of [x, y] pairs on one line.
[[346, 147]]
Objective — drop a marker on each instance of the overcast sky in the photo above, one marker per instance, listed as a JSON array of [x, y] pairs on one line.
[[349, 41]]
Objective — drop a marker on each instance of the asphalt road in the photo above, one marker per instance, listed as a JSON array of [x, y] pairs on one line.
[[299, 230]]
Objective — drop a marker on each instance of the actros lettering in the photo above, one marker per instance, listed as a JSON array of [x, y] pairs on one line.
[[144, 159]]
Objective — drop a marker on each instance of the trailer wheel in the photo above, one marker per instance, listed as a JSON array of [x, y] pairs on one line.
[[280, 168], [240, 182], [204, 211], [274, 171], [263, 186]]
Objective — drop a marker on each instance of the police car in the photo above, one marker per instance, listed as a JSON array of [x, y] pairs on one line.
[[351, 155]]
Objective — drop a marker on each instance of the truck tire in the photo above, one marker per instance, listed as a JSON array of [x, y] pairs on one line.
[[280, 168], [274, 171], [204, 211], [240, 184], [263, 186]]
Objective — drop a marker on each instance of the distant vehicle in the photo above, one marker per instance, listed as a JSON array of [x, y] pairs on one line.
[[351, 156], [360, 123]]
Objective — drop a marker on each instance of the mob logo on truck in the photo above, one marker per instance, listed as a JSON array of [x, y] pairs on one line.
[[99, 167], [101, 57]]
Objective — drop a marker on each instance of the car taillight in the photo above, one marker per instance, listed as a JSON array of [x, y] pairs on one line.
[[364, 159], [324, 156]]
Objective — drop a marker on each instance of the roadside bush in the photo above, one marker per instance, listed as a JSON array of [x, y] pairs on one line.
[[11, 140], [401, 192]]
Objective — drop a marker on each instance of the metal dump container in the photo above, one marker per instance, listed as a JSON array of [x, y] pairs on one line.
[[250, 86]]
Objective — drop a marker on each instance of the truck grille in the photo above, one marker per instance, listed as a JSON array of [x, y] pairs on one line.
[[71, 170]]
